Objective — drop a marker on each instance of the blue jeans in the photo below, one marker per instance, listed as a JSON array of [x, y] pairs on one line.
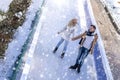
[[65, 44], [82, 54]]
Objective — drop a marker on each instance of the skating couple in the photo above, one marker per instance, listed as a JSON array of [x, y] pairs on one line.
[[88, 40]]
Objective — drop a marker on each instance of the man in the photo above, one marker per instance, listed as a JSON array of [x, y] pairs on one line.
[[87, 43]]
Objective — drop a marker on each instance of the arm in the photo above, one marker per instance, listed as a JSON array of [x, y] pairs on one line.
[[93, 43], [78, 37]]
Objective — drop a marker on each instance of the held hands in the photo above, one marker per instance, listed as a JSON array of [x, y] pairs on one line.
[[90, 51], [72, 39]]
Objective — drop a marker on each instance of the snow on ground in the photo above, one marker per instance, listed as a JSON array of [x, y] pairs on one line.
[[114, 5], [114, 9], [48, 66], [4, 5], [117, 3], [20, 37]]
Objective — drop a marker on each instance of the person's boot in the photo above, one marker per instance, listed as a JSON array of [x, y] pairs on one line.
[[62, 55], [54, 51], [78, 68], [74, 66]]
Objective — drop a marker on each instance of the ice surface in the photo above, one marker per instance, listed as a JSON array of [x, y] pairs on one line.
[[48, 66]]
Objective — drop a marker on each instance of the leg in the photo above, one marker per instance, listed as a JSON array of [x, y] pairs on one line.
[[65, 45], [85, 53], [83, 58], [80, 52], [65, 48], [59, 43], [77, 60]]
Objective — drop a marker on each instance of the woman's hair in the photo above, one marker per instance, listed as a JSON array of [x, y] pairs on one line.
[[72, 22]]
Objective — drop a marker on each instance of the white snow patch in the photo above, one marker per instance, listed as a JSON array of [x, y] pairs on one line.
[[4, 5]]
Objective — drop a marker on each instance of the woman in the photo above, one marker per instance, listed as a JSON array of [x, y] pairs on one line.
[[65, 34]]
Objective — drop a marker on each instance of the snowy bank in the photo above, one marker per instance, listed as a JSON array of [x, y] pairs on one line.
[[113, 10], [101, 47], [20, 36]]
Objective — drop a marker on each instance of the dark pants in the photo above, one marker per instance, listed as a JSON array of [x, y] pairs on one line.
[[82, 54]]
